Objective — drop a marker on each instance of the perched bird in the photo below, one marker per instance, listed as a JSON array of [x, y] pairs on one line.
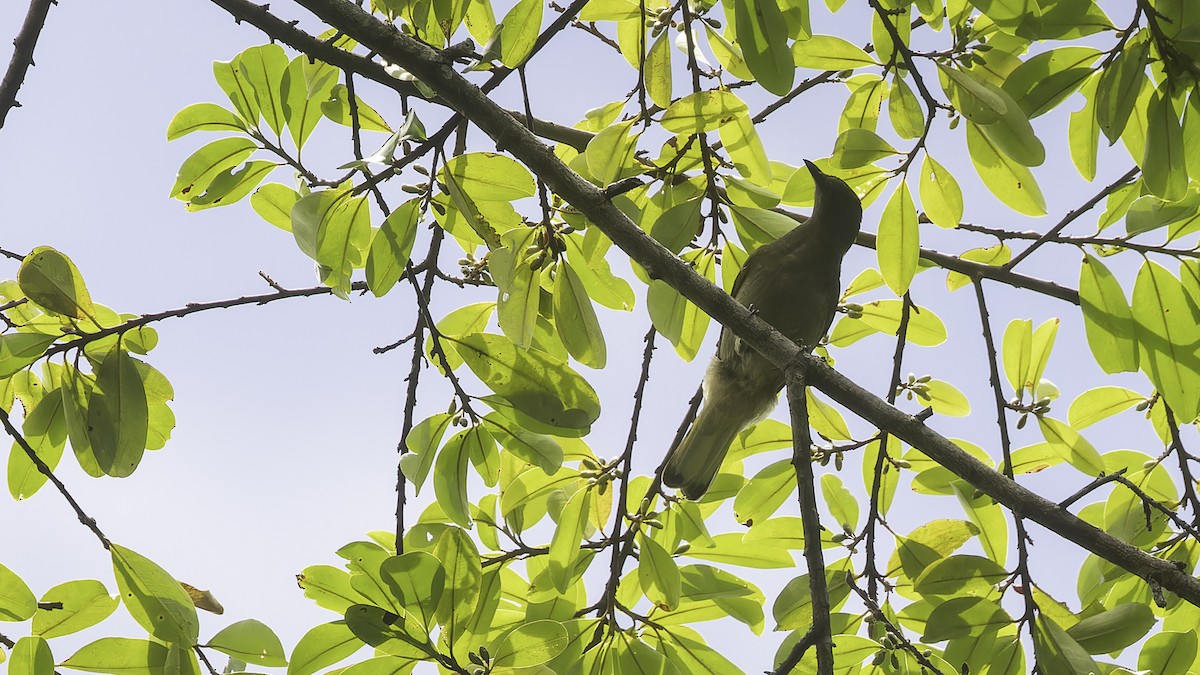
[[792, 283]]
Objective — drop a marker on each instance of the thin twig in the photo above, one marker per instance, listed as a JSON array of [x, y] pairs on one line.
[[88, 521]]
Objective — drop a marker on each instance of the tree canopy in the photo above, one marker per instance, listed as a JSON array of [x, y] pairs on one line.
[[409, 148]]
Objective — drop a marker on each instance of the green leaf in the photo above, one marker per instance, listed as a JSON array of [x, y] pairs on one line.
[[329, 587], [17, 602], [1017, 351], [840, 501], [960, 575], [898, 245], [460, 559], [274, 203], [1107, 318], [519, 282], [305, 87], [979, 101], [945, 399], [417, 581], [262, 67], [691, 655], [825, 419], [996, 255], [1078, 452], [589, 263], [333, 227], [728, 54], [927, 544], [118, 414], [793, 606], [1045, 80], [1083, 133], [251, 641], [422, 443], [337, 109], [576, 319], [1100, 403], [1058, 652], [231, 81], [745, 148], [758, 226], [537, 449], [964, 616], [18, 350], [924, 327], [762, 34], [941, 197], [535, 383], [859, 147], [487, 176], [120, 656], [1114, 629], [829, 52], [564, 546], [1119, 86], [388, 633], [51, 280], [517, 32], [530, 644], [1168, 332], [203, 117], [85, 603], [763, 494], [703, 111], [610, 153], [1168, 652], [1164, 171], [230, 186], [731, 550], [658, 574], [658, 69], [450, 478], [862, 108], [674, 316], [321, 647], [203, 166], [155, 599], [905, 110], [1011, 182], [391, 246]]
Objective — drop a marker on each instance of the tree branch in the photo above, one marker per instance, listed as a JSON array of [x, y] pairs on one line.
[[659, 263], [88, 521], [22, 57], [810, 518]]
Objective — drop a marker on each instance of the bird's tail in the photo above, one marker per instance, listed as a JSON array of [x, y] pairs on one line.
[[694, 462]]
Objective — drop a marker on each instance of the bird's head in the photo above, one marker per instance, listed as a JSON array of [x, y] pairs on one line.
[[835, 204]]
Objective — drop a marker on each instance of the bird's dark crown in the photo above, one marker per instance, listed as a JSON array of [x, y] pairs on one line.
[[835, 204]]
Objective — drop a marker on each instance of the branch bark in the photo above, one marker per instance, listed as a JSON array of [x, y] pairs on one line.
[[22, 57], [659, 263]]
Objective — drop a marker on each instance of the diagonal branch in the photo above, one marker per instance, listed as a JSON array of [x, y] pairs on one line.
[[659, 263], [88, 521], [22, 57]]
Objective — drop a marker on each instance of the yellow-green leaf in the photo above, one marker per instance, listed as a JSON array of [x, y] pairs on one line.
[[898, 244]]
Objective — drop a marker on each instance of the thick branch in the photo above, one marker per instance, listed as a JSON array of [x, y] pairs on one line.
[[22, 57], [659, 263], [797, 386]]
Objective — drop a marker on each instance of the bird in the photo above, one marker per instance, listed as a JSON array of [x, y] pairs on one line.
[[792, 283]]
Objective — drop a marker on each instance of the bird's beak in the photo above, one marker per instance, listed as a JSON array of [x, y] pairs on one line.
[[812, 169]]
